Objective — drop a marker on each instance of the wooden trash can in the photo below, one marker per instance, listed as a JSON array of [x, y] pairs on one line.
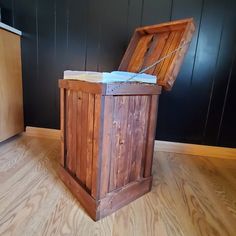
[[108, 130]]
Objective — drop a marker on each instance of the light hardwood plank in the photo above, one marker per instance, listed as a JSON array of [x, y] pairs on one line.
[[190, 196]]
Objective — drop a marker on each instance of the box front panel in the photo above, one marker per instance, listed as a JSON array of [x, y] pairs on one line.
[[126, 120]]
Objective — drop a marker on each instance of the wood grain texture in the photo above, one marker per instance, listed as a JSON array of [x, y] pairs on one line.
[[137, 58], [152, 43], [96, 173], [128, 139], [71, 125], [62, 126], [80, 134], [155, 51], [107, 145], [101, 167], [11, 95], [190, 196], [151, 136]]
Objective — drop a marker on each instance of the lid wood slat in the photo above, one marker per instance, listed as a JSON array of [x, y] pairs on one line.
[[167, 49], [167, 62], [155, 51], [139, 53]]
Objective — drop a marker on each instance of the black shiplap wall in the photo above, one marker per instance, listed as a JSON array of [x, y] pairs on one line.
[[93, 35]]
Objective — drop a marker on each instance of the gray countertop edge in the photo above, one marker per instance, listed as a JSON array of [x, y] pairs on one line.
[[10, 29]]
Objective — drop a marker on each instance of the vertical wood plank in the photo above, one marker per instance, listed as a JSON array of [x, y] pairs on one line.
[[62, 114], [122, 138], [115, 144], [170, 43], [68, 128], [107, 145], [97, 136], [90, 132], [130, 141], [79, 134], [167, 62], [155, 51], [71, 124], [141, 106], [135, 134], [143, 44], [151, 135], [142, 135], [84, 135]]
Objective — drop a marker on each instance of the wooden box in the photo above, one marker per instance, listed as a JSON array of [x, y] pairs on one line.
[[108, 130]]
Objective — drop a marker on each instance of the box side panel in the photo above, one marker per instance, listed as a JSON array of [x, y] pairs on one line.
[[81, 136]]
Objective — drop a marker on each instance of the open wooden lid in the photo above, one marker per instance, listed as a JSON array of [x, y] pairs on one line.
[[151, 43]]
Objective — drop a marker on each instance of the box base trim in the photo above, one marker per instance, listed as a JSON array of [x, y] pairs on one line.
[[113, 200]]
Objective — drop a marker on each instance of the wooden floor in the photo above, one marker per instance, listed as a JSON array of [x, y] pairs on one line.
[[191, 196]]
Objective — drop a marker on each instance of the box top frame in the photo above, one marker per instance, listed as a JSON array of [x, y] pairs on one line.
[[111, 89]]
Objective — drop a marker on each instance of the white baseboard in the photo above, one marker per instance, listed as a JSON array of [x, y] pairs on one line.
[[163, 146]]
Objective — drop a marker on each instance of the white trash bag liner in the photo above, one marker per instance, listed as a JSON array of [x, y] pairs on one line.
[[109, 77]]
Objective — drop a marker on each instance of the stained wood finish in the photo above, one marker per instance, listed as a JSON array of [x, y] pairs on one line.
[[81, 135], [129, 130], [117, 170], [150, 136], [62, 133], [108, 142], [191, 195], [97, 143], [11, 95], [111, 88], [109, 128], [154, 42]]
